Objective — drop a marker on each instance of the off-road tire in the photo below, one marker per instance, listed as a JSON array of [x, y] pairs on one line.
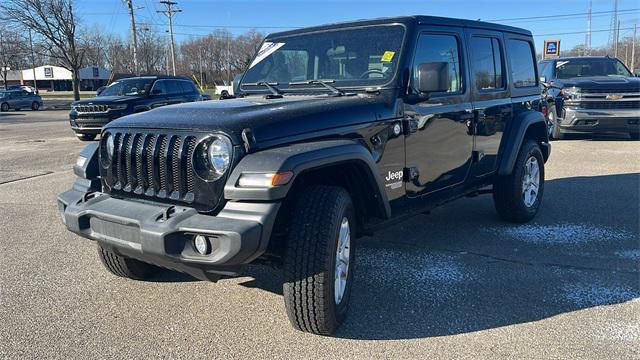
[[86, 137], [310, 258], [634, 135], [4, 107], [556, 133], [35, 106], [507, 190], [125, 267]]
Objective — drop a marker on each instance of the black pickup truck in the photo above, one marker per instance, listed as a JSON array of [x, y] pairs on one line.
[[593, 94], [334, 131]]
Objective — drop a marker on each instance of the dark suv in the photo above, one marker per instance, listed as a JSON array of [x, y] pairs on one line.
[[590, 95], [334, 131], [128, 96]]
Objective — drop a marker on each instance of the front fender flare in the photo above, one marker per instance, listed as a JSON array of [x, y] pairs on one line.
[[300, 158]]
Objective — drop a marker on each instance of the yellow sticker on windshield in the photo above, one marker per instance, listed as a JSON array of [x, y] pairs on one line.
[[387, 56]]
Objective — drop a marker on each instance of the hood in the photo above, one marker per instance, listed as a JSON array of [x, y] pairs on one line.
[[622, 84], [267, 118], [106, 100]]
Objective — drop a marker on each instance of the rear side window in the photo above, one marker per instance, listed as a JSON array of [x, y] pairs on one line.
[[440, 48], [187, 87], [521, 57], [486, 62], [172, 87]]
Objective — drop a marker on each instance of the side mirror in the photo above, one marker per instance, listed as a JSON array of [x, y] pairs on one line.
[[433, 77], [236, 84], [100, 90]]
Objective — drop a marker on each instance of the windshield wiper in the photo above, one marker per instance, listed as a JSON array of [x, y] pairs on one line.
[[334, 90], [275, 92]]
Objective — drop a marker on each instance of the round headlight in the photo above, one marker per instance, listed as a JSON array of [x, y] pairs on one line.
[[212, 158], [219, 154], [110, 146]]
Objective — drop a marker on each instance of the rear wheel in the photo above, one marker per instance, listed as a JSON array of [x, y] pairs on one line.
[[4, 107], [86, 137], [125, 267], [35, 106], [517, 196], [319, 259]]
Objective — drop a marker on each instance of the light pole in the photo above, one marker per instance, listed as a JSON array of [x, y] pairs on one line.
[[169, 13]]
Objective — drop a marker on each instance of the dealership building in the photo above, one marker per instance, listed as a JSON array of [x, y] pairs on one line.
[[55, 78]]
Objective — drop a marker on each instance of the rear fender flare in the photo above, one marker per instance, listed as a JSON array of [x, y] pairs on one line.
[[517, 133]]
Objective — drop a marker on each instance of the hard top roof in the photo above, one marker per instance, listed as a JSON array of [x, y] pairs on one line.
[[417, 20]]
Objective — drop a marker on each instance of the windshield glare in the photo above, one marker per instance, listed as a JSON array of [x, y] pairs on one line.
[[363, 56], [128, 87], [566, 69]]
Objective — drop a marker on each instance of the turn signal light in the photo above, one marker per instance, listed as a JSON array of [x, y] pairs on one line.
[[265, 180]]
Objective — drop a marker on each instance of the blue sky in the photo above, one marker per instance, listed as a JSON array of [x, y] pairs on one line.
[[272, 16]]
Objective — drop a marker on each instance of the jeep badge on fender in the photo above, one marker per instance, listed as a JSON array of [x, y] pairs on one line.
[[310, 153]]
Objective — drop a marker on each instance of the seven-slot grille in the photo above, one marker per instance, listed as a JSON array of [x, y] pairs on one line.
[[154, 165], [92, 108]]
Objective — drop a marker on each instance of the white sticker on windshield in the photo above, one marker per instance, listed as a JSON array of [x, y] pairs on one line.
[[267, 49], [560, 63]]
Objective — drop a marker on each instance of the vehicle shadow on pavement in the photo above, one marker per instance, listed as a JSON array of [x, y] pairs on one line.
[[461, 269]]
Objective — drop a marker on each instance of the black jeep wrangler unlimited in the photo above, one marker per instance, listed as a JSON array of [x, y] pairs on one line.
[[335, 131]]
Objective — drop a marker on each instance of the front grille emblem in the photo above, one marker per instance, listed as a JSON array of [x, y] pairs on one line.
[[613, 97]]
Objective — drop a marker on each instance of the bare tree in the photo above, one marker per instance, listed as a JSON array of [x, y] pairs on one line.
[[13, 51], [55, 21]]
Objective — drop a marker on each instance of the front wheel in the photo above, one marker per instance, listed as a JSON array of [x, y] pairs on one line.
[[319, 259], [35, 106], [125, 267], [4, 107], [86, 137], [517, 196], [554, 131]]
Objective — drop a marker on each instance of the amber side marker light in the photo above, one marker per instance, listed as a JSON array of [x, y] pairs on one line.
[[265, 180]]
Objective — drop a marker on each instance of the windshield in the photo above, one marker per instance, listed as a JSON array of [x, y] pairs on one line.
[[566, 69], [128, 87], [364, 56]]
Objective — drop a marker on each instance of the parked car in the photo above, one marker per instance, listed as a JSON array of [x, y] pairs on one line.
[[335, 131], [128, 96], [590, 95], [19, 99]]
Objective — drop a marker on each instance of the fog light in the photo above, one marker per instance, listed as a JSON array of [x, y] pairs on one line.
[[201, 244]]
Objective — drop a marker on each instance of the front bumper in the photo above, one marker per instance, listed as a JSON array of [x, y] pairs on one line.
[[162, 235], [592, 120]]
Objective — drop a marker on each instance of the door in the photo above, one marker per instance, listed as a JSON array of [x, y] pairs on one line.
[[174, 90], [440, 141], [490, 97], [159, 94]]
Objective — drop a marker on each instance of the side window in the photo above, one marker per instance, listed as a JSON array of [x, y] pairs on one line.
[[523, 72], [440, 48], [486, 62], [189, 87], [159, 86], [172, 87]]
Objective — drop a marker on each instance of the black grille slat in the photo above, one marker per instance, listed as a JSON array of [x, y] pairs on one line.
[[176, 169], [117, 169], [139, 164], [162, 165], [191, 146], [610, 105], [126, 159]]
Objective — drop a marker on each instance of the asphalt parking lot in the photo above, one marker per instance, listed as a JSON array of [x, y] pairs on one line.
[[458, 283]]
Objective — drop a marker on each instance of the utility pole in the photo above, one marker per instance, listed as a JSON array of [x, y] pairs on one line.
[[587, 41], [134, 37], [633, 49], [228, 59], [617, 38], [200, 62], [33, 62], [169, 13]]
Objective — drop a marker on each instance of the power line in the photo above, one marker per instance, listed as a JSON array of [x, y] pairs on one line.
[[579, 32], [563, 15]]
